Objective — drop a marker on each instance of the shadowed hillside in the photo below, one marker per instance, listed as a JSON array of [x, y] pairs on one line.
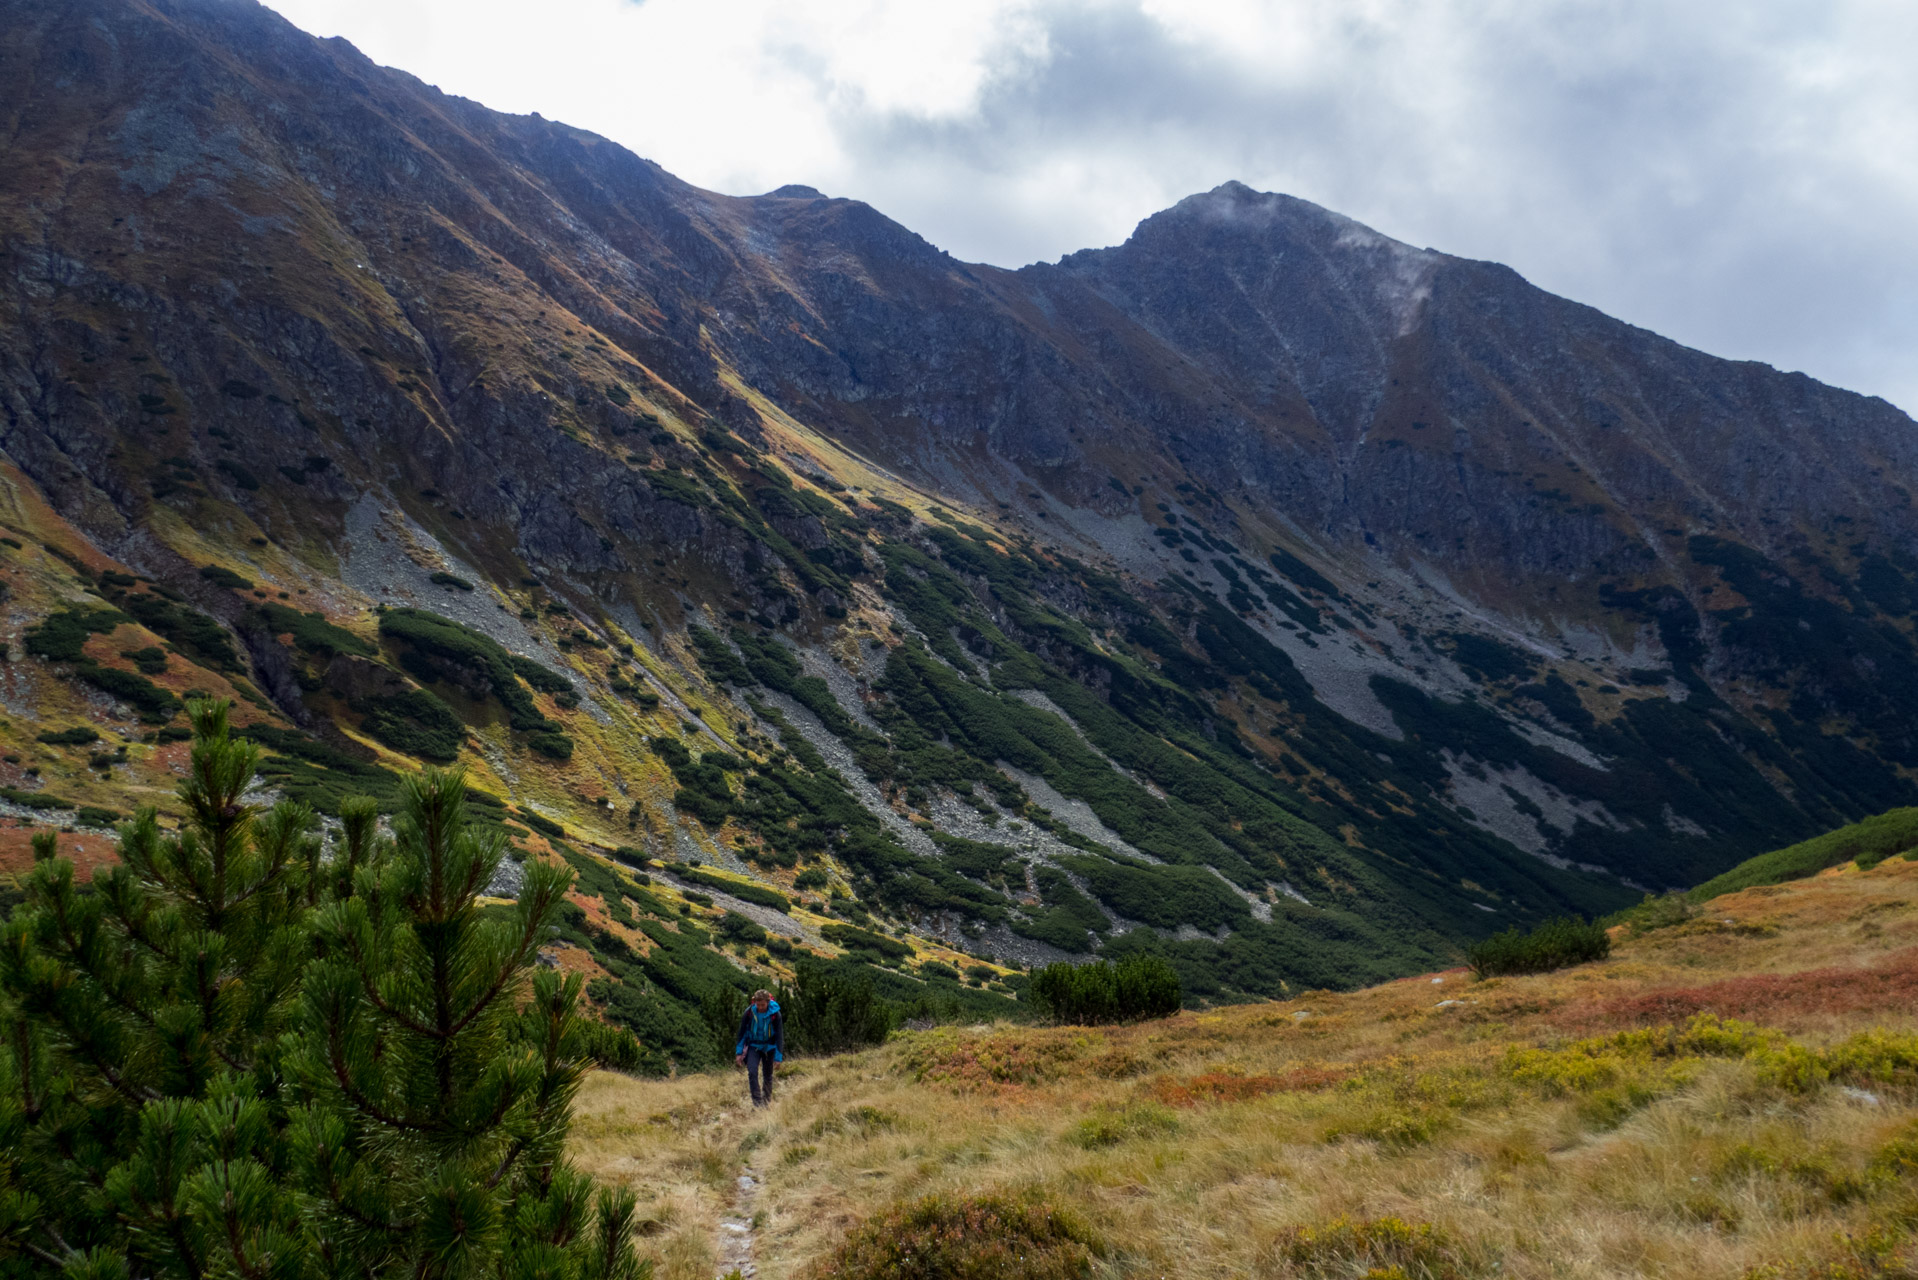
[[1261, 593]]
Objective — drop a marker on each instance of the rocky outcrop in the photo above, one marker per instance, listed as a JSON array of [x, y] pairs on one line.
[[1423, 543]]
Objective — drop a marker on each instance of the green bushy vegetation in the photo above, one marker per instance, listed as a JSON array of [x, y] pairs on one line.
[[318, 774], [539, 675], [1556, 944], [421, 1071], [632, 690], [150, 660], [312, 633], [551, 743], [826, 1011], [438, 648], [33, 799], [196, 635], [1491, 659], [833, 1012], [77, 736], [1867, 843], [1657, 911], [1139, 986], [855, 939], [734, 927], [742, 889], [1069, 919], [149, 701], [541, 823], [221, 576], [1164, 897], [62, 636], [610, 1047], [415, 722]]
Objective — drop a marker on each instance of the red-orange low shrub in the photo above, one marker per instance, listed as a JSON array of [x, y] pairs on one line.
[[1227, 1086], [1769, 997]]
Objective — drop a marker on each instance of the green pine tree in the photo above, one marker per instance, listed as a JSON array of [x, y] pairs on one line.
[[234, 1056]]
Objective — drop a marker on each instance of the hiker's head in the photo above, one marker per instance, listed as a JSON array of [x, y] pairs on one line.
[[762, 998]]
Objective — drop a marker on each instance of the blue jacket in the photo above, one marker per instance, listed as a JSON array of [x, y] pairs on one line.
[[763, 1031]]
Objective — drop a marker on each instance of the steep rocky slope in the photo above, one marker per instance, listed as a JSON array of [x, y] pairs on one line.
[[1261, 590]]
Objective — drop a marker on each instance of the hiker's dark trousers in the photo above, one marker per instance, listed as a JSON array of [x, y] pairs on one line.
[[757, 1061]]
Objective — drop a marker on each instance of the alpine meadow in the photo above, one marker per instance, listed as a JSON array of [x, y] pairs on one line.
[[1258, 751]]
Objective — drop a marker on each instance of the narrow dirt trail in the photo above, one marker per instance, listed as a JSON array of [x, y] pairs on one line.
[[736, 1228]]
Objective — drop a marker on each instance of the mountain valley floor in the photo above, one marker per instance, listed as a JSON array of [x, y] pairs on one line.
[[1732, 1095]]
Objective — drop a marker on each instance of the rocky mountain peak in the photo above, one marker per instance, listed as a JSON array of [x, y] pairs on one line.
[[1261, 588]]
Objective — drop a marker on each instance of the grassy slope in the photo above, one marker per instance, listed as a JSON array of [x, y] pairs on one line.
[[1875, 838], [1474, 1115]]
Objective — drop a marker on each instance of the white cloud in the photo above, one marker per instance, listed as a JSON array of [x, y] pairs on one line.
[[1736, 175]]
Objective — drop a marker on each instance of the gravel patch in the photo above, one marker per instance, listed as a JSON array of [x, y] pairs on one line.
[[1488, 798], [390, 559]]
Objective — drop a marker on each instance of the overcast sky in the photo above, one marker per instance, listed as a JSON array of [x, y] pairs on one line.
[[1741, 175]]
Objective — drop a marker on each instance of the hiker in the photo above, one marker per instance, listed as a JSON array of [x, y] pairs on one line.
[[762, 1042]]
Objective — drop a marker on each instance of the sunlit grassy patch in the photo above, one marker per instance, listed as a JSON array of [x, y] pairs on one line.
[[1526, 1134]]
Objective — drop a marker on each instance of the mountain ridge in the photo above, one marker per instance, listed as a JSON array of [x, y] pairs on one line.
[[1312, 603]]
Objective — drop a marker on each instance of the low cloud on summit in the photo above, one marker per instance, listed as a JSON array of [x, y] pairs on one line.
[[1738, 176]]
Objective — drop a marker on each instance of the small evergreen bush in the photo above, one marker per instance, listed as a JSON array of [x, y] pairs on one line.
[[738, 928], [62, 637], [33, 799], [221, 576], [833, 1013], [1140, 986], [312, 633], [541, 823], [441, 649], [854, 939], [151, 660], [1556, 944], [554, 746], [757, 894], [381, 1087], [416, 722]]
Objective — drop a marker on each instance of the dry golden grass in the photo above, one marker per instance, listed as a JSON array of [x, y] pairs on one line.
[[1198, 1145]]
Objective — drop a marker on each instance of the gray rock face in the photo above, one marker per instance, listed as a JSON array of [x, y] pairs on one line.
[[249, 281]]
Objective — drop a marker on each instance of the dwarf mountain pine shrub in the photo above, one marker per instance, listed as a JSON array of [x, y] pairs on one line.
[[1139, 986], [1556, 944], [233, 1055]]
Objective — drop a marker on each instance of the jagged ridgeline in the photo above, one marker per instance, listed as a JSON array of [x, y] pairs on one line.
[[954, 620]]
